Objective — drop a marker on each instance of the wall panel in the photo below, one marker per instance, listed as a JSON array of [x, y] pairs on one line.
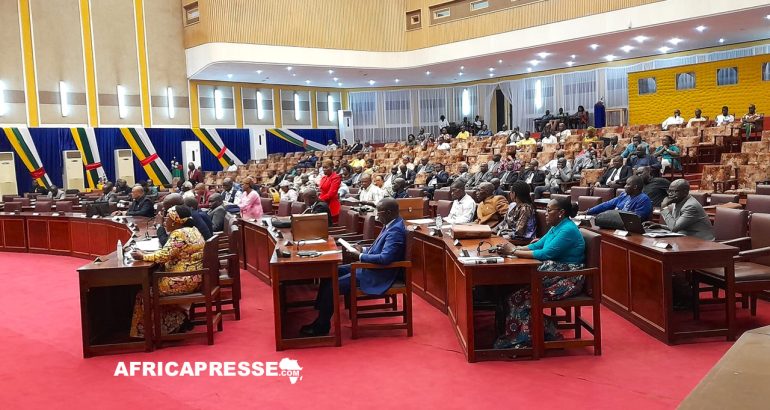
[[11, 66]]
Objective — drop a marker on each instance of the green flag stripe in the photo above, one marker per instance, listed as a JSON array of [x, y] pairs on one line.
[[25, 148], [139, 142], [84, 142]]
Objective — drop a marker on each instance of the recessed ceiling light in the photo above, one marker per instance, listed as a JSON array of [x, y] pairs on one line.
[[371, 82], [529, 69], [307, 81], [427, 73], [294, 75], [767, 16], [664, 49], [499, 61], [490, 74], [610, 57], [229, 76], [572, 56], [397, 80], [534, 62], [701, 29], [675, 40], [543, 55], [721, 40], [335, 79], [289, 68], [259, 71], [339, 84], [460, 74], [627, 49], [491, 69], [641, 39], [570, 63], [331, 71], [594, 46], [462, 67]]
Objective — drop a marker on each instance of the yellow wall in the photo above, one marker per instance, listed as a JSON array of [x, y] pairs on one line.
[[654, 108]]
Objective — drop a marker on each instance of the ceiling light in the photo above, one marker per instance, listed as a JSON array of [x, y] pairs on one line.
[[307, 81], [701, 29], [297, 113], [462, 67], [427, 73], [371, 82], [534, 62], [122, 109], [490, 74], [641, 39], [63, 103], [664, 49], [331, 71], [260, 106], [721, 41], [627, 49], [570, 63], [572, 56], [594, 46], [397, 80], [170, 102], [330, 106], [335, 79], [460, 74], [294, 75], [529, 69], [543, 55], [767, 16], [259, 71], [610, 57], [491, 69], [3, 105], [499, 61], [229, 76], [219, 107], [289, 68], [675, 40], [339, 84]]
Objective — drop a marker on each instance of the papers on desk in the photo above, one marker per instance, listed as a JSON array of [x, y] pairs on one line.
[[150, 245], [329, 252], [312, 242], [661, 234], [420, 221], [475, 260], [345, 244]]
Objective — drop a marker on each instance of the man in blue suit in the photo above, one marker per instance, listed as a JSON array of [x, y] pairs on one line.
[[389, 247]]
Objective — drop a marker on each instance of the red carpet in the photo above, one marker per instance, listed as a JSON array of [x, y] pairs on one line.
[[42, 364]]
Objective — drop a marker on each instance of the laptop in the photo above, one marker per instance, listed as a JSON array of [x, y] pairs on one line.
[[632, 223]]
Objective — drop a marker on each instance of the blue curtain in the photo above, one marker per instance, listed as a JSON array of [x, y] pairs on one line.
[[278, 145]]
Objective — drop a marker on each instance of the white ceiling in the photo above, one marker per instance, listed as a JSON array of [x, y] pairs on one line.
[[718, 29]]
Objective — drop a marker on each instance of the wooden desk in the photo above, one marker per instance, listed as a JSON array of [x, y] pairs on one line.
[[440, 278], [637, 280]]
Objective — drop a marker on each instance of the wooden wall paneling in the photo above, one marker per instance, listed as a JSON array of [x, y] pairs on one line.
[[418, 268], [250, 242], [39, 241], [615, 274], [646, 289], [15, 234], [59, 235], [81, 246], [451, 305], [435, 275], [97, 239], [464, 298]]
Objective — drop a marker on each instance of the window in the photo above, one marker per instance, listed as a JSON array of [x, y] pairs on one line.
[[414, 19], [478, 5], [685, 81], [727, 76], [765, 71], [440, 14], [648, 86], [191, 14], [466, 102]]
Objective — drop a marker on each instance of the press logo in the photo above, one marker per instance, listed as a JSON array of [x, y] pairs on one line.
[[285, 368]]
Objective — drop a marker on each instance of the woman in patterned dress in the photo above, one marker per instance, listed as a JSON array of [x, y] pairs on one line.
[[182, 252], [519, 224], [562, 249]]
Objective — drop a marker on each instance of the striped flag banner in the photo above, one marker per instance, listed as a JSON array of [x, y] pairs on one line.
[[296, 139], [85, 139], [211, 139], [25, 148], [145, 152]]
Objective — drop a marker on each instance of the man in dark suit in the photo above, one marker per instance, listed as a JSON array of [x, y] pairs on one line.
[[399, 188], [199, 216], [532, 175], [353, 149], [315, 206], [171, 200], [140, 205], [482, 176], [389, 247], [616, 174], [217, 212], [684, 214], [194, 175], [407, 174]]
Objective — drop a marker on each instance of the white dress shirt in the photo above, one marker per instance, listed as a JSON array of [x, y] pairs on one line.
[[672, 121], [695, 121], [444, 124], [725, 119], [563, 135], [290, 195], [372, 194], [445, 146], [463, 211], [330, 147], [549, 140]]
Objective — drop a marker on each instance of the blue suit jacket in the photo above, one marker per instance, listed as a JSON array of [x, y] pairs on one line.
[[389, 247]]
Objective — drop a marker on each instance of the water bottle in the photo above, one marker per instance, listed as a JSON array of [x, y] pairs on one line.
[[439, 222], [119, 252]]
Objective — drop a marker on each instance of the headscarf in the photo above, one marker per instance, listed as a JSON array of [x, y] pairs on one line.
[[174, 217]]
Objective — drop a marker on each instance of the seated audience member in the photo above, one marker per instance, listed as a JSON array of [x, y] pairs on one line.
[[668, 154], [611, 150], [633, 200], [526, 141], [270, 181], [463, 206], [443, 122], [616, 175], [303, 183], [562, 249], [444, 134], [411, 141], [55, 193], [287, 193], [655, 187], [462, 173], [509, 175], [484, 131], [675, 119], [407, 174], [520, 224], [424, 167], [183, 251], [477, 123], [355, 148], [389, 247], [380, 183], [438, 179], [591, 137], [444, 145], [399, 189], [370, 194], [551, 166], [515, 136], [498, 190], [491, 208], [697, 120], [200, 216], [422, 135], [540, 122], [176, 200], [202, 195], [563, 133], [231, 193], [467, 124], [39, 188], [389, 179], [553, 181], [494, 165], [407, 161], [632, 148], [549, 137], [580, 118], [344, 145], [343, 191], [585, 160], [684, 214], [150, 187], [250, 204], [355, 178], [216, 212], [194, 175], [359, 161], [482, 176], [463, 134], [330, 146], [643, 159], [370, 168], [313, 205], [725, 117], [107, 194], [750, 120], [503, 132], [367, 148], [121, 187], [140, 204], [532, 175], [187, 189]]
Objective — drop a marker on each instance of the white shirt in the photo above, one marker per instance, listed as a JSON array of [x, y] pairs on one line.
[[372, 194], [694, 120], [722, 119], [445, 146], [549, 140], [463, 211], [188, 194], [232, 168], [515, 137], [343, 191], [563, 135], [443, 124], [330, 147], [290, 195], [672, 121], [614, 176]]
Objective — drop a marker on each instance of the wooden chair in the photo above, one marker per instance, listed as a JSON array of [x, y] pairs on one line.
[[229, 253], [209, 296], [718, 199], [441, 194], [443, 207], [63, 206], [606, 194], [43, 206], [12, 207], [587, 202], [297, 207], [284, 208], [730, 224], [591, 296], [401, 287], [267, 206], [578, 191]]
